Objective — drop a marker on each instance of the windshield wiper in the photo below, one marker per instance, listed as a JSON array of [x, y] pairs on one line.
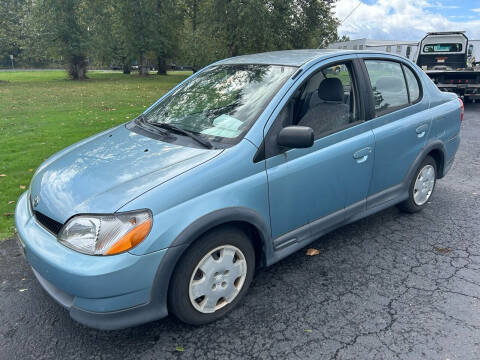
[[144, 123], [190, 134]]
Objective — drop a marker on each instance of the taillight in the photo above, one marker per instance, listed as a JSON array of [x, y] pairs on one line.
[[462, 109]]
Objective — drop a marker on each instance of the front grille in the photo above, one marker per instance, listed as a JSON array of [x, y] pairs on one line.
[[51, 225]]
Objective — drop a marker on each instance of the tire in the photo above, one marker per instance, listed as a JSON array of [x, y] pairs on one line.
[[220, 277], [415, 202]]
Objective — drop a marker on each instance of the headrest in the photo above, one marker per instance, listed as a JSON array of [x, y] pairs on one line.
[[390, 84], [331, 89]]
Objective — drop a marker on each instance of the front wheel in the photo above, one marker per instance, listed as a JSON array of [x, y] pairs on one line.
[[421, 186], [212, 276]]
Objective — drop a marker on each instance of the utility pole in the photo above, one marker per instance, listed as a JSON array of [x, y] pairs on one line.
[[11, 58]]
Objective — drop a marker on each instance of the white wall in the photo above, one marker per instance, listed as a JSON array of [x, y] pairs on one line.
[[476, 48], [393, 47]]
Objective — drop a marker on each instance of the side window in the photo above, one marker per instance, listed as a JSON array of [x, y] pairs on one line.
[[388, 85], [470, 50], [327, 101], [412, 83]]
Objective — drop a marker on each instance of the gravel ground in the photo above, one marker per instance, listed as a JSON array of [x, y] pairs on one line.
[[389, 286]]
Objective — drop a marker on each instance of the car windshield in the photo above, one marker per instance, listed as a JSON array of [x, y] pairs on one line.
[[442, 48], [221, 102]]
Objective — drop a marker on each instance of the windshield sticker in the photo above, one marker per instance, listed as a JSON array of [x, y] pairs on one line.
[[225, 126]]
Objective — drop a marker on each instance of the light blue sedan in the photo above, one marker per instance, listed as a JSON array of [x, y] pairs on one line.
[[237, 167]]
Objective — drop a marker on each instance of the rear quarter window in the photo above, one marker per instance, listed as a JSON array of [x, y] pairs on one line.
[[413, 86]]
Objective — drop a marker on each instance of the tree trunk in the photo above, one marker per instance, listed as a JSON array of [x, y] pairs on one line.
[[142, 67], [126, 67], [77, 67], [161, 65]]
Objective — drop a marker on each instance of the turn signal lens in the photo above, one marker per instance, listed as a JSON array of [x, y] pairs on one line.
[[131, 239]]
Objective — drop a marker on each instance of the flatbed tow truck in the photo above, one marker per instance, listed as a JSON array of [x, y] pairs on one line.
[[448, 59]]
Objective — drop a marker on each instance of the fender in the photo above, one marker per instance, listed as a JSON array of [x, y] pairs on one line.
[[218, 217], [191, 233], [434, 145]]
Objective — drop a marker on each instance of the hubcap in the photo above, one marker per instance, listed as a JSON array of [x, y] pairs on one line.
[[424, 185], [217, 279]]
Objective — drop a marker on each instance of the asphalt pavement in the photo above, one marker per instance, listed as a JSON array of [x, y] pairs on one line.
[[390, 286]]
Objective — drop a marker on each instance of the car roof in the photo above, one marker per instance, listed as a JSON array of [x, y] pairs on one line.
[[293, 57]]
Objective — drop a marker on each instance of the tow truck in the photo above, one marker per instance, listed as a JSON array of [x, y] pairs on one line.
[[448, 58]]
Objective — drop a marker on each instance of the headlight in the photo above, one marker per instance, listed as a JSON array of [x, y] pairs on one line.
[[106, 234]]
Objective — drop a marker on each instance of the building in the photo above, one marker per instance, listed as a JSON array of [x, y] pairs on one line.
[[407, 49]]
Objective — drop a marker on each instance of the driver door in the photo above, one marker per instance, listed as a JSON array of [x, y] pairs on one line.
[[310, 189]]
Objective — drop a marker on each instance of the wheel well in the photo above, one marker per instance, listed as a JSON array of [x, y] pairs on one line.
[[250, 230], [439, 158], [254, 235]]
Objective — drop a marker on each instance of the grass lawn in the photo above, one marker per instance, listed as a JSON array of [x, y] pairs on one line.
[[41, 112]]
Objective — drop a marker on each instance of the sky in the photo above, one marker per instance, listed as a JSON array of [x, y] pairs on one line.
[[407, 19]]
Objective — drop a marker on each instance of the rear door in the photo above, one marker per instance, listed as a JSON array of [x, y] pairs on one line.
[[400, 125]]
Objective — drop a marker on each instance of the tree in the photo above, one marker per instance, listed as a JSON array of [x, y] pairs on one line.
[[223, 28], [164, 32], [135, 17], [343, 38], [109, 45], [197, 46], [301, 24], [242, 26], [194, 32], [64, 30], [12, 19]]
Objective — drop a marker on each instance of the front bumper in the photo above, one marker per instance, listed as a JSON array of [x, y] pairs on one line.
[[106, 292]]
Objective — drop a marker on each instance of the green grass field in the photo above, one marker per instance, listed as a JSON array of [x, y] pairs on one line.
[[41, 112]]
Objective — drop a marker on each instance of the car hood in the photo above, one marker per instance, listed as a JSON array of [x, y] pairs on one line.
[[104, 172]]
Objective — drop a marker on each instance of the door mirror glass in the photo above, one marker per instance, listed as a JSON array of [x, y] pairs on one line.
[[296, 137]]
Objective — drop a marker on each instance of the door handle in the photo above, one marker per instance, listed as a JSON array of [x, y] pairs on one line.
[[421, 130], [362, 154]]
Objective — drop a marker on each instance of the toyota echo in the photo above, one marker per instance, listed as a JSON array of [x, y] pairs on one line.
[[238, 166]]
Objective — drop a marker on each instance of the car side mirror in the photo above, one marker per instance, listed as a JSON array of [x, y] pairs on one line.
[[296, 137]]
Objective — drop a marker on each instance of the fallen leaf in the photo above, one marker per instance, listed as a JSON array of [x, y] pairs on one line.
[[8, 214], [312, 252], [308, 330], [30, 170], [3, 175], [23, 187], [441, 250], [179, 348], [11, 202], [22, 290]]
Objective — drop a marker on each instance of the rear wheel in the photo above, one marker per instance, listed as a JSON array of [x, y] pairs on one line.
[[212, 276], [421, 186]]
